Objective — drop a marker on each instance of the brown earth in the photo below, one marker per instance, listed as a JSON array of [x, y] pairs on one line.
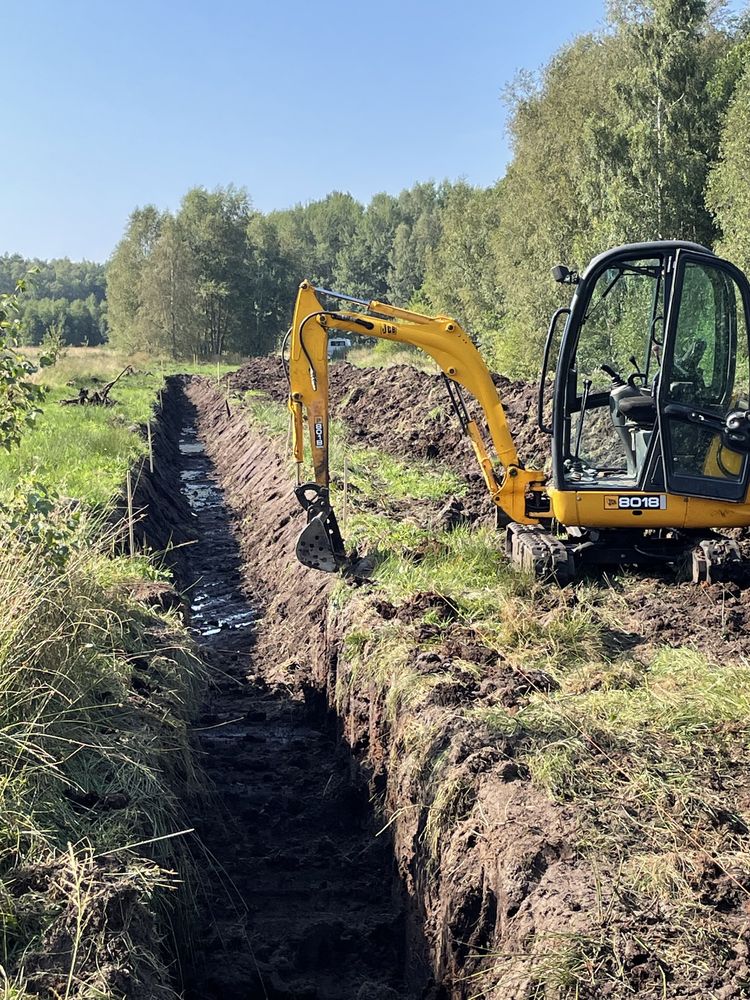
[[507, 879]]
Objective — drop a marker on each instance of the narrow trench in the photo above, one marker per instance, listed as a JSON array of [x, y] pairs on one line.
[[299, 898]]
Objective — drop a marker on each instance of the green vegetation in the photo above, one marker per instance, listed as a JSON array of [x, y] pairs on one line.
[[95, 694], [65, 300], [96, 689], [85, 451], [19, 395], [377, 478], [387, 353]]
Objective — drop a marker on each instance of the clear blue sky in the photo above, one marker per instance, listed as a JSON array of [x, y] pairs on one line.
[[116, 103]]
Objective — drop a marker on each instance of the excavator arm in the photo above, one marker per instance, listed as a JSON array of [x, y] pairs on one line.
[[320, 544]]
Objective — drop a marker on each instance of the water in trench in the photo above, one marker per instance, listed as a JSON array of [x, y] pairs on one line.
[[298, 900]]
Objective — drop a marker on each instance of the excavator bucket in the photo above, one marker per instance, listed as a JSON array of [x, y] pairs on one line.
[[320, 545]]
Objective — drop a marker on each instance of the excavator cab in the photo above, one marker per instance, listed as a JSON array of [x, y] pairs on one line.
[[652, 385]]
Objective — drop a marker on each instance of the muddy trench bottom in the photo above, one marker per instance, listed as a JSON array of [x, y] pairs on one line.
[[299, 898]]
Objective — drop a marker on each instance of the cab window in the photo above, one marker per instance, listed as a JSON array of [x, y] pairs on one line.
[[612, 410]]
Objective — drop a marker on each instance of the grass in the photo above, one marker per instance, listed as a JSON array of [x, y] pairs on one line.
[[96, 690], [95, 695], [374, 477], [387, 353], [85, 452]]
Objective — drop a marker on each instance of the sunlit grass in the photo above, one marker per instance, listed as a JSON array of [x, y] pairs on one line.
[[84, 452], [369, 472], [387, 353], [96, 691]]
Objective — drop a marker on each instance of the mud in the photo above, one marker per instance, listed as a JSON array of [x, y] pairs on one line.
[[299, 899]]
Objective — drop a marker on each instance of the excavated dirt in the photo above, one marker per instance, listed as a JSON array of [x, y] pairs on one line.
[[299, 899], [305, 903], [406, 413]]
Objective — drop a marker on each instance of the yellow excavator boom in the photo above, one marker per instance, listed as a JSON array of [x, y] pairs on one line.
[[446, 342]]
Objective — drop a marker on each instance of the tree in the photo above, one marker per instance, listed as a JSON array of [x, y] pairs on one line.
[[214, 224], [553, 194], [169, 317], [125, 274], [415, 237], [19, 395], [272, 283], [363, 265], [664, 134], [462, 270], [729, 183]]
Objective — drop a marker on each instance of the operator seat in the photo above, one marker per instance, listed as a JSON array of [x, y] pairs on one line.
[[640, 409]]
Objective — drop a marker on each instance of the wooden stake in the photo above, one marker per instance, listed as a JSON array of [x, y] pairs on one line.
[[131, 525], [150, 449], [346, 491]]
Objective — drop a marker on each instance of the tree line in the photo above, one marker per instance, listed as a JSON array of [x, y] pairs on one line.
[[635, 132], [64, 299]]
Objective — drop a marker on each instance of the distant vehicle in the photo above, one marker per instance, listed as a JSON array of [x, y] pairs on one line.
[[338, 347]]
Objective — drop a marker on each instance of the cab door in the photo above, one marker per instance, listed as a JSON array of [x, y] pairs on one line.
[[705, 375]]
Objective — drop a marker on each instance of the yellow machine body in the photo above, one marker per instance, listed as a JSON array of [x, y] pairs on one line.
[[594, 509]]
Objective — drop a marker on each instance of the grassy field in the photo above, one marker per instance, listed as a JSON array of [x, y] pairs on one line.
[[84, 452], [96, 690]]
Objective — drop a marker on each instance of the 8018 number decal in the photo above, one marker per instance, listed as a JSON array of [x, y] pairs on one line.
[[626, 501]]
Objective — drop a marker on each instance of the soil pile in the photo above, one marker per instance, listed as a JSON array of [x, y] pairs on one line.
[[407, 413]]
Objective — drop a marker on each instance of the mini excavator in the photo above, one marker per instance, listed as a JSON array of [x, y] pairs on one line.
[[648, 418]]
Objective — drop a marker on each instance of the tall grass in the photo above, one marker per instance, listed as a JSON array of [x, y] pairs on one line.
[[95, 694]]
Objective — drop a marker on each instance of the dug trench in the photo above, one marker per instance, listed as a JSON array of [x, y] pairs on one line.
[[306, 900], [298, 898]]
